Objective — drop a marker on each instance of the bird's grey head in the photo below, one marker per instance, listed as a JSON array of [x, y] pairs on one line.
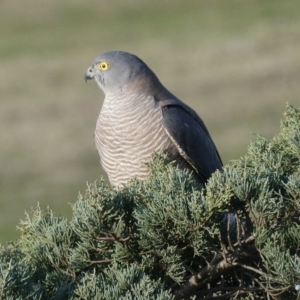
[[118, 71]]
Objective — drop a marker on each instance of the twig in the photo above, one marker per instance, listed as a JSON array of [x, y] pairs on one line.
[[104, 261], [251, 269], [113, 239]]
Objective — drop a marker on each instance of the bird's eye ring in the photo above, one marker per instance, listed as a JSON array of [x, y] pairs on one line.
[[104, 65]]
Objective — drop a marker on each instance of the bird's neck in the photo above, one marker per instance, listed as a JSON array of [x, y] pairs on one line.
[[123, 101], [128, 97]]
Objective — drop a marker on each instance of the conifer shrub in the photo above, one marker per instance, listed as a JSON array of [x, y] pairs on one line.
[[237, 237]]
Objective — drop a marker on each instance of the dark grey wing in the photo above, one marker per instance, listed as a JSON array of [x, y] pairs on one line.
[[188, 132]]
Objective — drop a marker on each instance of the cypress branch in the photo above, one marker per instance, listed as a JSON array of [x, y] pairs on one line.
[[170, 237]]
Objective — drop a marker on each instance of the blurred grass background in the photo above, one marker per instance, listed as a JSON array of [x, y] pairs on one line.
[[235, 62]]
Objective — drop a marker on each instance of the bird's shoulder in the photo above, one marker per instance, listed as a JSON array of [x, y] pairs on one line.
[[190, 135], [173, 105]]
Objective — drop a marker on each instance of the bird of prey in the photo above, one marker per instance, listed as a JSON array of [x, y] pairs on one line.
[[140, 116]]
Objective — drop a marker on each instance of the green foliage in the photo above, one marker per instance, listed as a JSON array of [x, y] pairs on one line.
[[170, 237]]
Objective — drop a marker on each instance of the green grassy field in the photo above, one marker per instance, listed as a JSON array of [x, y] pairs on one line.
[[236, 63]]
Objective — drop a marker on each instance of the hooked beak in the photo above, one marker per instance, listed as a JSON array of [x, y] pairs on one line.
[[89, 74]]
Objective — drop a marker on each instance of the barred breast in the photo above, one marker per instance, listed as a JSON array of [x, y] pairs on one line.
[[127, 133]]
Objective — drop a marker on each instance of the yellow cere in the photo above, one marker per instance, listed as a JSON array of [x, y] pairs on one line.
[[104, 65]]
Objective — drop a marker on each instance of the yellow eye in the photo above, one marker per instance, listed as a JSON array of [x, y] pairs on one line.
[[104, 65]]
